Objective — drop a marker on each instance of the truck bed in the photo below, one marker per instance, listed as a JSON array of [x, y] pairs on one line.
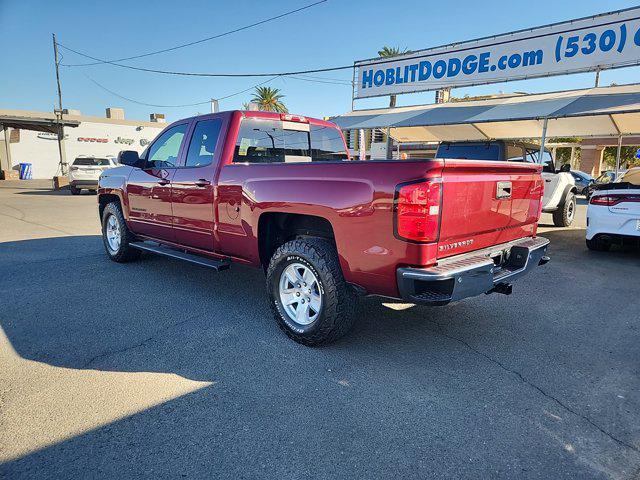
[[358, 198]]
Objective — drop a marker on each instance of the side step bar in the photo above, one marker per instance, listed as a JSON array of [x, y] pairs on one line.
[[215, 264]]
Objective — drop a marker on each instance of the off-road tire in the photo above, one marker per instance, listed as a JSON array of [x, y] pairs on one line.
[[566, 212], [597, 245], [125, 253], [74, 190], [337, 314]]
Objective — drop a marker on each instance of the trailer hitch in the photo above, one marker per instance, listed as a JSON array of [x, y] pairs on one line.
[[504, 288]]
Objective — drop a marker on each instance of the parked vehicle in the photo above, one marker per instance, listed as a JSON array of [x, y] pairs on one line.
[[605, 178], [85, 172], [631, 176], [613, 216], [583, 180], [559, 186], [279, 192]]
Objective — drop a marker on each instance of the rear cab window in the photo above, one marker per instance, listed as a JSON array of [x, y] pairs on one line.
[[469, 151], [92, 162], [263, 140]]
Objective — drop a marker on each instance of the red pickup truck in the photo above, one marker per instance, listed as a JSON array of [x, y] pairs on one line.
[[280, 192]]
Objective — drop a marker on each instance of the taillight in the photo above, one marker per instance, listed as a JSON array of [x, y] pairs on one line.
[[613, 199], [287, 117], [417, 211]]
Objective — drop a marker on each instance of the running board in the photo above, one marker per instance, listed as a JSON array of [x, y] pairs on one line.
[[215, 264]]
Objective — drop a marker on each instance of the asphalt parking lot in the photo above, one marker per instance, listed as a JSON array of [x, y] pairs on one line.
[[160, 369]]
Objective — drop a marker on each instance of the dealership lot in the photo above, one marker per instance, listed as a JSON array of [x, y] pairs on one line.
[[162, 369]]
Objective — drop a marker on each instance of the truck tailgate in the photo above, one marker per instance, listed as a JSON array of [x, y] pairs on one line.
[[487, 203]]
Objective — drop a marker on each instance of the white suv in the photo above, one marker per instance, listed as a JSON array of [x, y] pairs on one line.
[[85, 172], [613, 215]]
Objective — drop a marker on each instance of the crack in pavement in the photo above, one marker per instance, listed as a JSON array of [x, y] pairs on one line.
[[619, 441], [134, 346]]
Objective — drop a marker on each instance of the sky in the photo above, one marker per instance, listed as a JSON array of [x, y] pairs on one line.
[[333, 33]]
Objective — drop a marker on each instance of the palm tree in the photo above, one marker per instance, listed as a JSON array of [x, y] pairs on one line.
[[387, 52], [269, 99]]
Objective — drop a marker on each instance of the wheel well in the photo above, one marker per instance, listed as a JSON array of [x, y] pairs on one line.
[[276, 228], [104, 200]]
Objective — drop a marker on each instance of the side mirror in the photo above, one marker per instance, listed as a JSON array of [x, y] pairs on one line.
[[565, 168], [130, 158]]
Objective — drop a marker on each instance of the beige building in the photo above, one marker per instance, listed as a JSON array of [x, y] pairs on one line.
[[29, 137]]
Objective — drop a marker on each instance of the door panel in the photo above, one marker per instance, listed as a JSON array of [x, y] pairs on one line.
[[149, 189], [193, 191], [150, 210]]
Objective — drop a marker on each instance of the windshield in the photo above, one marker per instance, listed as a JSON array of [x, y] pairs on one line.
[[93, 162]]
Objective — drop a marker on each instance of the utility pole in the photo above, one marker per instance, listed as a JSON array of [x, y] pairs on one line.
[[597, 78], [58, 112]]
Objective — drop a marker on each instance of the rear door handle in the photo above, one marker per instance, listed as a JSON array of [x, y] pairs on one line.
[[163, 181], [202, 182]]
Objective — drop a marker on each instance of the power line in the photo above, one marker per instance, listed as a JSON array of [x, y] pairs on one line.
[[213, 37], [202, 74], [128, 99], [328, 81]]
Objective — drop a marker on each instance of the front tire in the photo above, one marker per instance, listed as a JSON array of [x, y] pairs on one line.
[[310, 299], [564, 215], [116, 236]]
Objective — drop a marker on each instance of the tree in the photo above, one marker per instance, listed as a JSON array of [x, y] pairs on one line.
[[269, 99], [388, 52], [627, 157]]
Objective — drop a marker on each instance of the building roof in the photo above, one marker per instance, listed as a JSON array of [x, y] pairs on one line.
[[28, 120], [46, 121], [593, 112]]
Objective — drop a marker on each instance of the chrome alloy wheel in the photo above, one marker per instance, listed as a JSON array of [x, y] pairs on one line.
[[300, 294], [114, 236]]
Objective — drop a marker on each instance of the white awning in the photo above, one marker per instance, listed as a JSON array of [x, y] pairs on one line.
[[593, 112]]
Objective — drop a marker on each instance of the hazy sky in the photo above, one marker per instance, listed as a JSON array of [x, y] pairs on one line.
[[333, 33]]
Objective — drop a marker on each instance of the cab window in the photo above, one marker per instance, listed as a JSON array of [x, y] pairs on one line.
[[266, 141], [203, 143], [469, 151], [327, 144], [547, 160], [164, 151]]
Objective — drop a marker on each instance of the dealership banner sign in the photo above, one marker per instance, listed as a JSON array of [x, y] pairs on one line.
[[609, 40]]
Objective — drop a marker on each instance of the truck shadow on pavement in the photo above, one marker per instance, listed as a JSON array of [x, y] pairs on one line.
[[474, 382]]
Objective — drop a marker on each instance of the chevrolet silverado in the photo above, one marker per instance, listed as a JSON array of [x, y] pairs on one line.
[[281, 192]]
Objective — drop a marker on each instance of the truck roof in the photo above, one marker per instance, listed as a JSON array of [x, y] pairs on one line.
[[266, 115]]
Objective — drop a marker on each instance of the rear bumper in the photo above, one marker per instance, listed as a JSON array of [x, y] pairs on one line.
[[84, 183], [462, 276]]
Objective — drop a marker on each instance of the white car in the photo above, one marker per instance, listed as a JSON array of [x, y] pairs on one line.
[[85, 172], [613, 215]]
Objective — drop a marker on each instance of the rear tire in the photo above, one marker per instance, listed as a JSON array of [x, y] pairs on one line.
[[564, 215], [116, 236], [74, 190], [597, 245], [316, 261]]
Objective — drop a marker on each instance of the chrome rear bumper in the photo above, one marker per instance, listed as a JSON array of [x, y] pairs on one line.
[[483, 271]]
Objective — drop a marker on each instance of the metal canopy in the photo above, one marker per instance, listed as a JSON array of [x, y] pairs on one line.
[[594, 112], [38, 121]]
